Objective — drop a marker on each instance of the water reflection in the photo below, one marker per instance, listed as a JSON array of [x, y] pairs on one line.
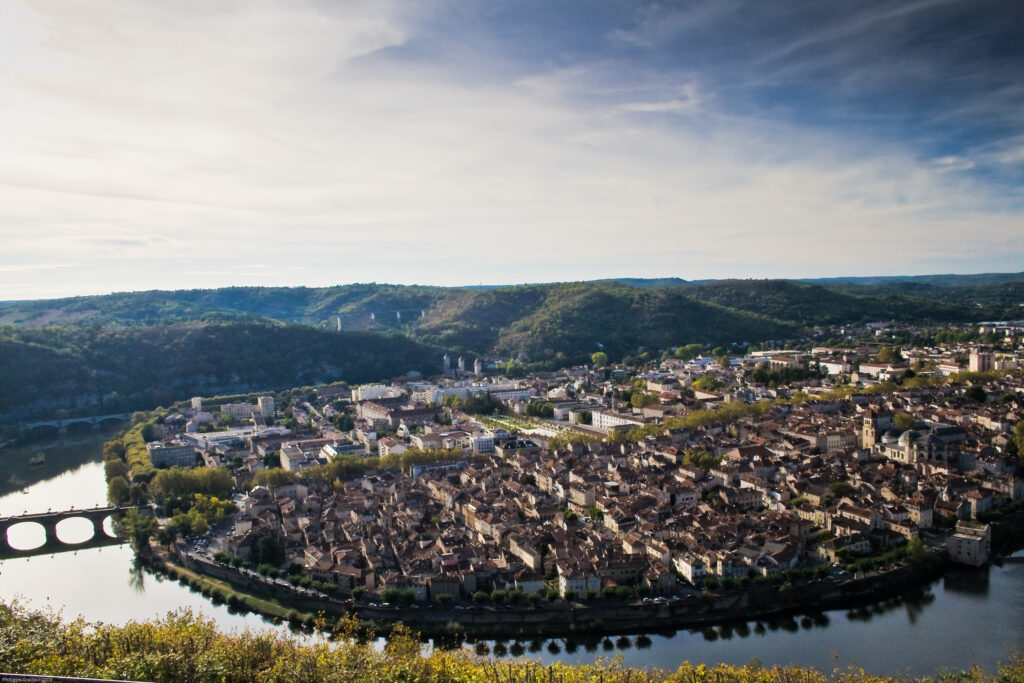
[[137, 577], [26, 536], [75, 530], [967, 582], [22, 467], [105, 585]]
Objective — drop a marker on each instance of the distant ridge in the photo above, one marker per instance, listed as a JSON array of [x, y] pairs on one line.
[[948, 280]]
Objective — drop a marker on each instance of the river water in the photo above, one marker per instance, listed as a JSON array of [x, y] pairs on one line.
[[968, 618]]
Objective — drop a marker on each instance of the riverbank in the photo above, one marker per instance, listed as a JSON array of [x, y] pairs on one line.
[[244, 589], [185, 647]]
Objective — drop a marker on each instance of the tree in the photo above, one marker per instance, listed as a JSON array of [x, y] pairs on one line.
[[139, 529], [840, 488], [1018, 441], [639, 399], [117, 490], [975, 394], [903, 421], [706, 383], [274, 477], [689, 352], [887, 354], [599, 359]]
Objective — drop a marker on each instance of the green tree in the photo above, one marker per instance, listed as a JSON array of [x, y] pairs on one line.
[[706, 383], [887, 354], [689, 352], [903, 421], [1018, 441], [639, 399], [139, 529], [117, 490], [599, 359]]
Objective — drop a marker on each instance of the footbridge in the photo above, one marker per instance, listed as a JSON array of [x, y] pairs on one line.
[[49, 521], [61, 424]]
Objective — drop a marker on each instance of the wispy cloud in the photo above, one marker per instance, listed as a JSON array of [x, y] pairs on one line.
[[455, 143]]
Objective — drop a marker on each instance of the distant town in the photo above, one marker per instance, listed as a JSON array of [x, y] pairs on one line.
[[652, 482]]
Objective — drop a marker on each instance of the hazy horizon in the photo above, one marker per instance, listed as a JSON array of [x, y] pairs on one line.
[[279, 143], [494, 285]]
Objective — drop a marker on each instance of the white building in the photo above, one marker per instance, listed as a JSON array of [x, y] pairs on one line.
[[370, 392], [266, 406], [241, 411], [608, 420]]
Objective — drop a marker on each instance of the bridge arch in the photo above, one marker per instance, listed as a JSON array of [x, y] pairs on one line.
[[78, 427], [112, 418], [26, 535], [76, 530], [39, 428], [57, 531]]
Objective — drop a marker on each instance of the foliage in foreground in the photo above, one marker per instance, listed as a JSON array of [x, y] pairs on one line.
[[186, 647]]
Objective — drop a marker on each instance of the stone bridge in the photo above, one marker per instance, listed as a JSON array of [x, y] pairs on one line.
[[62, 423], [49, 522]]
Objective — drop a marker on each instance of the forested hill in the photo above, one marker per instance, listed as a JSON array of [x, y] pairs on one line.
[[149, 347], [91, 368], [488, 311]]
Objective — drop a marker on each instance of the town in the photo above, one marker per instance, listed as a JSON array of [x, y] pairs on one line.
[[606, 480]]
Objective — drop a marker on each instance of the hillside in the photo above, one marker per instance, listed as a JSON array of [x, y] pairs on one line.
[[809, 304], [133, 368], [474, 317], [137, 350], [577, 319]]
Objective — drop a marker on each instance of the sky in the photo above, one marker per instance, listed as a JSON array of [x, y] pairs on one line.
[[207, 143]]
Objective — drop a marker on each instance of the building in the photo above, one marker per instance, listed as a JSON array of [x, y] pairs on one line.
[[266, 406], [197, 403], [172, 454], [510, 392], [981, 361], [876, 423], [370, 392], [970, 544], [241, 411], [608, 420]]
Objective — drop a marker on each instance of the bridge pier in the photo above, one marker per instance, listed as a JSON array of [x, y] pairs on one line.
[[50, 529], [5, 545]]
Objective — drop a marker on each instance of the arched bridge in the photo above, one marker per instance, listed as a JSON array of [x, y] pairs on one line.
[[49, 522], [62, 423]]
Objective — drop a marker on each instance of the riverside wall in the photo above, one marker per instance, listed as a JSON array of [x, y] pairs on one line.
[[601, 616]]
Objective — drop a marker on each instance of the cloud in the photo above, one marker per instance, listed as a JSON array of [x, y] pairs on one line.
[[336, 142]]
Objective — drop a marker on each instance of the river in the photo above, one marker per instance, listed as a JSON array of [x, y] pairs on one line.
[[968, 618]]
